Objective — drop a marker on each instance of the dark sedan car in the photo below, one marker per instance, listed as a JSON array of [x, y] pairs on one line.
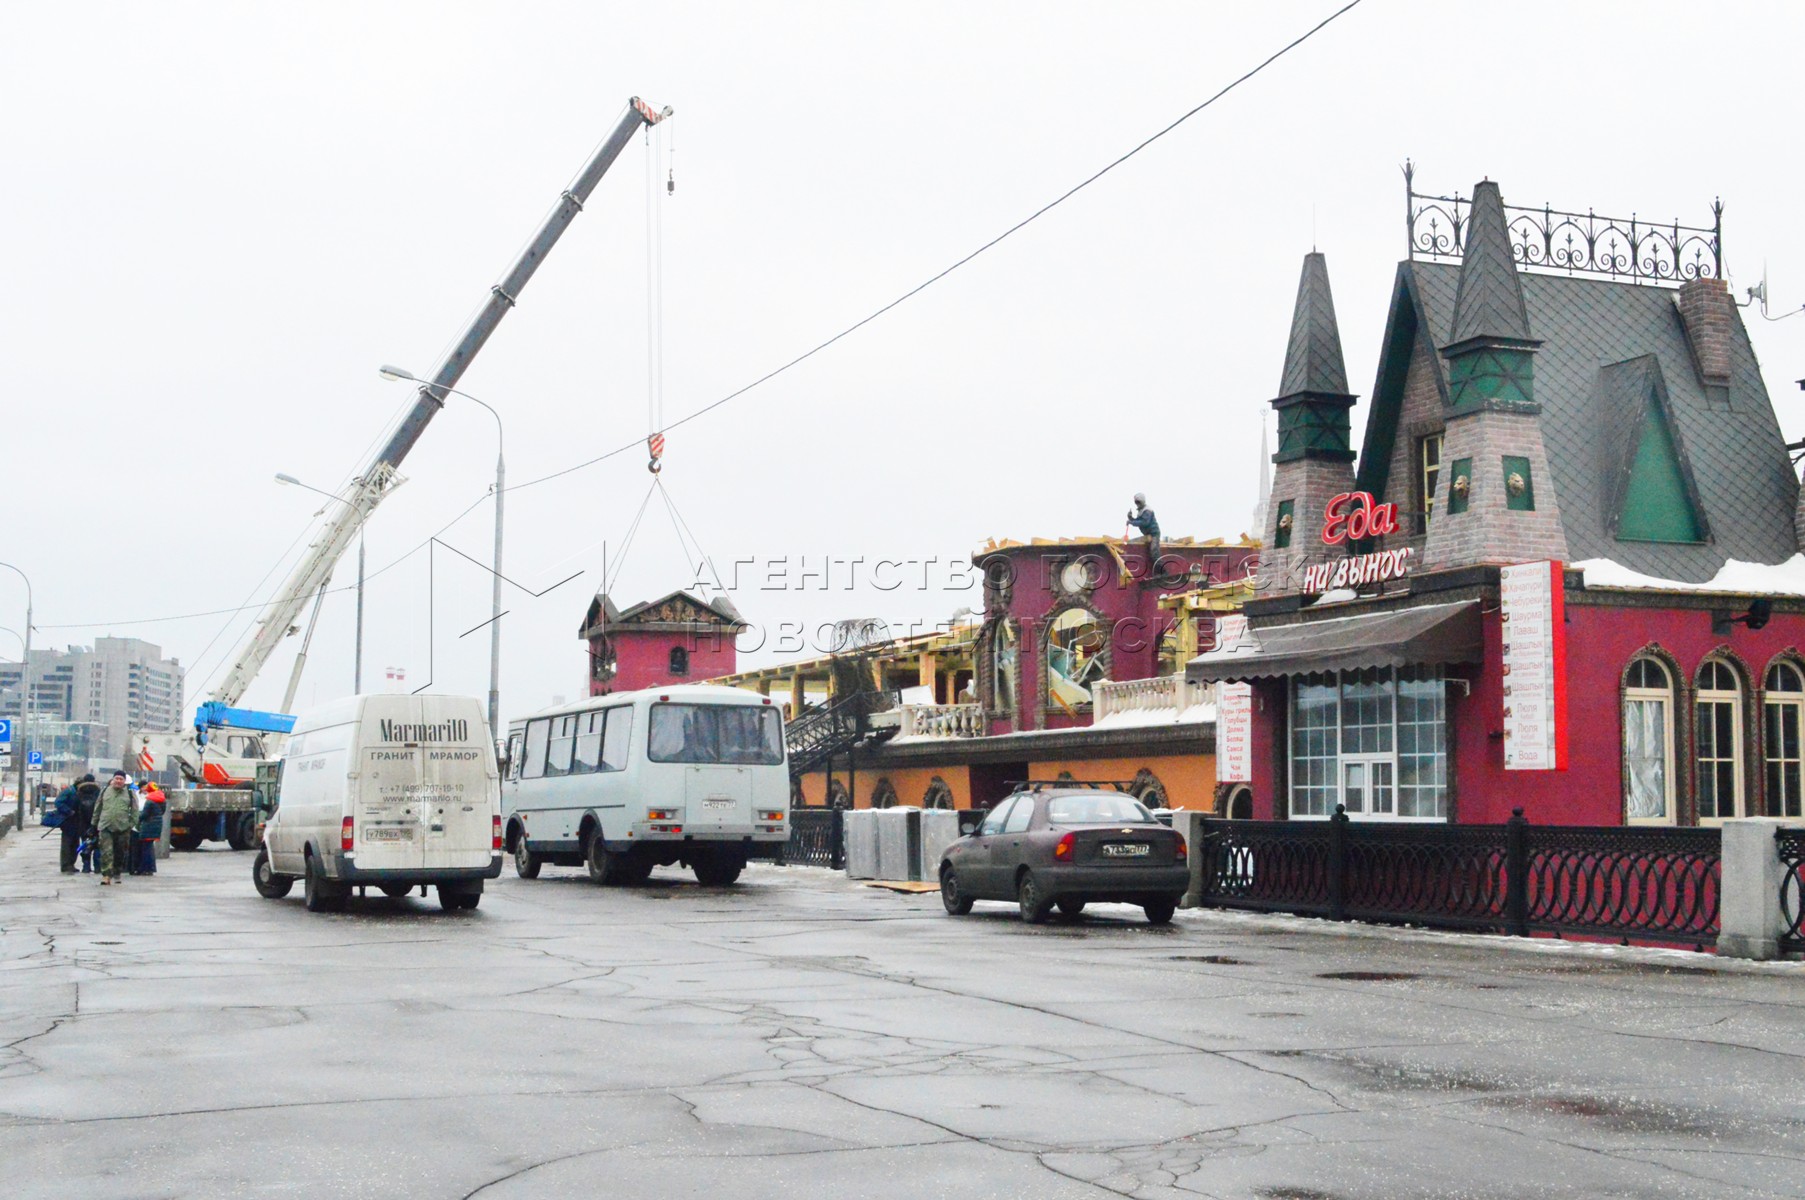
[[1067, 847]]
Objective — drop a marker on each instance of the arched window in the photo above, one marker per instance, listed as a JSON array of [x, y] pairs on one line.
[[1147, 788], [679, 660], [837, 796], [1783, 714], [1076, 656], [1718, 714], [939, 795], [1648, 743], [884, 794], [1238, 804]]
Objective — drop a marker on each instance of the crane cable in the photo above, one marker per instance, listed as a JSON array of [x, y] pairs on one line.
[[654, 302]]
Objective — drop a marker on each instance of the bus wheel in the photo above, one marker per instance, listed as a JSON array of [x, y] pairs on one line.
[[603, 864], [721, 871], [526, 863]]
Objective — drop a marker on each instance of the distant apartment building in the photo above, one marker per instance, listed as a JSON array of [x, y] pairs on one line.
[[112, 688]]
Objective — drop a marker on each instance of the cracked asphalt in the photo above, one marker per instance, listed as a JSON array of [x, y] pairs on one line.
[[799, 1035]]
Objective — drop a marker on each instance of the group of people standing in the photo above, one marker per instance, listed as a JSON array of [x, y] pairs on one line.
[[119, 824]]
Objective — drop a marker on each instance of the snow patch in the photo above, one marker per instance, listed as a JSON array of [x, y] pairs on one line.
[[1775, 579]]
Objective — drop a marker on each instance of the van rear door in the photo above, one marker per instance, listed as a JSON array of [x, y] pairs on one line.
[[457, 786], [391, 833]]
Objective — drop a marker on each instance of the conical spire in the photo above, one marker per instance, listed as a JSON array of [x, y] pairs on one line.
[[1489, 304], [1313, 355]]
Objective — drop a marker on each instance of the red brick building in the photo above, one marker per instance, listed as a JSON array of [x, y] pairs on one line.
[[678, 638], [1561, 574]]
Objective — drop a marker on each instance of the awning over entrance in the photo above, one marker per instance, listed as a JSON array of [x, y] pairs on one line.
[[1428, 634]]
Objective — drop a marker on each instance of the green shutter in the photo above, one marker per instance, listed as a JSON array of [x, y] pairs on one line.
[[1656, 505], [1490, 375]]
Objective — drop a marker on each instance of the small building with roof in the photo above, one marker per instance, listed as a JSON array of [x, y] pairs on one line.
[[1562, 573], [678, 638]]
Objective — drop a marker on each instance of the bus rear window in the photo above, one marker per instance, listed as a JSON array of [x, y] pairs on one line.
[[736, 734]]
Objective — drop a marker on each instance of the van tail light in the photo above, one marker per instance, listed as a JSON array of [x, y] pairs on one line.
[[1181, 852], [347, 835], [494, 832], [1063, 851]]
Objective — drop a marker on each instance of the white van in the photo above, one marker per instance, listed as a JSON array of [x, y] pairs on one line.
[[386, 791], [693, 774]]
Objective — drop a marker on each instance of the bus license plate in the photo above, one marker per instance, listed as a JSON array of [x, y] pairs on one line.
[[1126, 849], [718, 802]]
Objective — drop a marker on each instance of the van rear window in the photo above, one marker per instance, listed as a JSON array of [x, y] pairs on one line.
[[736, 734]]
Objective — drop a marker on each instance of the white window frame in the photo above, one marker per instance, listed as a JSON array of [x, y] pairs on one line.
[[1739, 785], [1665, 698], [1783, 701], [1342, 758]]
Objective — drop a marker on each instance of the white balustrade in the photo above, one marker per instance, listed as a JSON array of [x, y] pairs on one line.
[[942, 720], [1166, 695]]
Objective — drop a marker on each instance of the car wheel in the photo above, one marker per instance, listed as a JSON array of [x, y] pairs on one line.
[[470, 900], [1028, 895], [322, 894], [600, 861], [449, 898], [1159, 912], [526, 863], [270, 885], [956, 901], [1071, 908]]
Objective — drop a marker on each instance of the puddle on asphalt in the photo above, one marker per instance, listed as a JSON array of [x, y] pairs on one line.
[[1616, 1113], [1220, 960], [1369, 976]]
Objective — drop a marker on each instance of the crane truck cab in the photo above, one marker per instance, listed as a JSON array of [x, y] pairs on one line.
[[386, 791]]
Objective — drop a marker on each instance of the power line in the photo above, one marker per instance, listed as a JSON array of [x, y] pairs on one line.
[[937, 277]]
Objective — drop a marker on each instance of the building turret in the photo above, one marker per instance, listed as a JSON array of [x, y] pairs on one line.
[[1495, 500], [1315, 459]]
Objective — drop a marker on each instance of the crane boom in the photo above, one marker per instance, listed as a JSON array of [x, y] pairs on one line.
[[368, 489]]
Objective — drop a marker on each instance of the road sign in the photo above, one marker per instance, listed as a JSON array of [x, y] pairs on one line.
[[34, 760], [6, 731]]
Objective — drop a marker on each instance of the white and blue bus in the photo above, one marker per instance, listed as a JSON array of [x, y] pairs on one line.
[[692, 774]]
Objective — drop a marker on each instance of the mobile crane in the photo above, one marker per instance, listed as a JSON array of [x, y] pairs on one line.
[[225, 744]]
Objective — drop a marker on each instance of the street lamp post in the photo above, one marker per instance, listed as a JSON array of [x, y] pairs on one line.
[[25, 699], [501, 476], [357, 660]]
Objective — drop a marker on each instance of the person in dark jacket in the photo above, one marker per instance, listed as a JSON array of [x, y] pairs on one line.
[[69, 823], [87, 796], [150, 828]]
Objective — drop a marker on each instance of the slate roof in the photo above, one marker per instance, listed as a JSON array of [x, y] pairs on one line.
[[604, 615], [1488, 303], [1313, 354], [1745, 487]]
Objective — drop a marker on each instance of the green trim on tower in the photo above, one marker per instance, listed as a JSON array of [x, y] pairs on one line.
[[1314, 426], [1281, 537], [1519, 484], [1657, 506], [1491, 376], [1458, 496]]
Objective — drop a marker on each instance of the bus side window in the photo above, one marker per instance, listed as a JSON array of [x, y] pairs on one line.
[[589, 743], [514, 743], [618, 739], [532, 760]]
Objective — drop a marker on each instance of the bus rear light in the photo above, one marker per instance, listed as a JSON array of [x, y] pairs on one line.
[[667, 828], [770, 816], [1063, 851], [495, 832], [347, 835], [659, 814]]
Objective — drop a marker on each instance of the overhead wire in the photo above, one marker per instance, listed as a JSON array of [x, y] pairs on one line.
[[944, 272]]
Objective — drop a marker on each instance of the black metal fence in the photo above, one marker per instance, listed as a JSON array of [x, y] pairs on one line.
[[1647, 884], [1791, 846], [817, 838]]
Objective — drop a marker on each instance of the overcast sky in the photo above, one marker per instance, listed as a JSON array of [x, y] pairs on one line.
[[220, 218]]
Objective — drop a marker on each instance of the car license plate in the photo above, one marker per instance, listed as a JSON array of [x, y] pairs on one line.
[[718, 802], [379, 834], [1126, 849]]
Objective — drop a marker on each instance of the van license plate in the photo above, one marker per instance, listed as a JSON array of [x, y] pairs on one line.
[[718, 802], [1126, 849], [379, 834]]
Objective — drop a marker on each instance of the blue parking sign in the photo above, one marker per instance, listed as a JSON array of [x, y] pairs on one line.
[[34, 760], [6, 731]]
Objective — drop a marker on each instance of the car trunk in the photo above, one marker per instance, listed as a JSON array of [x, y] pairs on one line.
[[1122, 846]]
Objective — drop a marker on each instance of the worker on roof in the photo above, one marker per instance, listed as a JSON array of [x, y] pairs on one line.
[[1142, 518]]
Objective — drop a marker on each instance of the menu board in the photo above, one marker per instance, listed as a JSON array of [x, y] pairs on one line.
[[1234, 733], [1535, 667]]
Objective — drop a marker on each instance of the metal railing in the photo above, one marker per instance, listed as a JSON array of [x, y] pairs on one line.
[[1790, 843], [817, 839], [1644, 884]]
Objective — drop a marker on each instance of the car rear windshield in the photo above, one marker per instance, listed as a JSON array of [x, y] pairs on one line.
[[736, 734], [1097, 810]]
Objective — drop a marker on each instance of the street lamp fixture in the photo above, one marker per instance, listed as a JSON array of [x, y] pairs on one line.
[[392, 372]]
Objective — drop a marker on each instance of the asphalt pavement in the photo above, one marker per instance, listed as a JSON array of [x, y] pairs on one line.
[[799, 1035]]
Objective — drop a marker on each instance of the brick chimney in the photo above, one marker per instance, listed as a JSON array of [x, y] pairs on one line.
[[1315, 460], [1709, 316], [1495, 500]]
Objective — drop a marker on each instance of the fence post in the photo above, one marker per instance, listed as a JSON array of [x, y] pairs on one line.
[[836, 840], [1338, 864], [1516, 874]]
